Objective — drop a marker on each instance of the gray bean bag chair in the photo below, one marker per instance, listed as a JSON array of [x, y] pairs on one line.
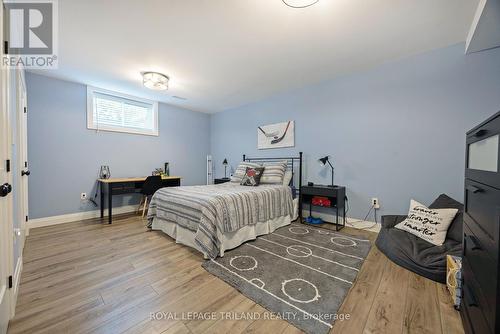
[[416, 254]]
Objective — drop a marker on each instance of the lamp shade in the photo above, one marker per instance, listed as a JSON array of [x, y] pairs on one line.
[[323, 160], [224, 162]]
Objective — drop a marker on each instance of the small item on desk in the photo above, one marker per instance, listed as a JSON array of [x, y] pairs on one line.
[[157, 171], [167, 169], [104, 172], [321, 201], [224, 163]]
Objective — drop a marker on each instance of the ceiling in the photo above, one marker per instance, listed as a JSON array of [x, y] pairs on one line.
[[221, 54]]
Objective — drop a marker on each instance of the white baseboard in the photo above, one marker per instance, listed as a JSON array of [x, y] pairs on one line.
[[16, 282], [350, 222], [23, 238], [73, 217]]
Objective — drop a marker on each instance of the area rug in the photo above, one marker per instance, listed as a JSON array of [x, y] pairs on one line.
[[300, 273]]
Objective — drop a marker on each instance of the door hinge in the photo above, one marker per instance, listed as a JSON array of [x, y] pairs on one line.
[[10, 282], [6, 47], [26, 218], [25, 110], [7, 165], [25, 164]]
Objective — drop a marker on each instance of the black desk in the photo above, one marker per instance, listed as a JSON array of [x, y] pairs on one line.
[[130, 185], [335, 194]]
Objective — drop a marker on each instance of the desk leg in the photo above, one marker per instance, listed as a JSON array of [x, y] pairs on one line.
[[110, 203], [343, 213], [337, 219], [101, 185]]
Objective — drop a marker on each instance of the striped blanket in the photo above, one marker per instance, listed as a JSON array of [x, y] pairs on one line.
[[221, 208]]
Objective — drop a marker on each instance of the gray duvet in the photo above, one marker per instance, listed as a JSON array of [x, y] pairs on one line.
[[226, 207]]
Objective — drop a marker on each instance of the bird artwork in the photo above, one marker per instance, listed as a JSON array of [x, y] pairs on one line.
[[276, 135]]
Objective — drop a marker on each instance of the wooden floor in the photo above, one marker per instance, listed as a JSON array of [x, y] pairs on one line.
[[90, 277]]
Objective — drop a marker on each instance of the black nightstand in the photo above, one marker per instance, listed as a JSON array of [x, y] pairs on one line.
[[335, 194], [222, 180]]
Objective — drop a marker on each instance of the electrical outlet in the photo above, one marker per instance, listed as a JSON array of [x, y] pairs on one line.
[[375, 203], [83, 196]]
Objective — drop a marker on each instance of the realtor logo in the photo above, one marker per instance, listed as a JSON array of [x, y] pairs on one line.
[[31, 34]]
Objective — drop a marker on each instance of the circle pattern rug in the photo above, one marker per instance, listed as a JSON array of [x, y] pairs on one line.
[[299, 272]]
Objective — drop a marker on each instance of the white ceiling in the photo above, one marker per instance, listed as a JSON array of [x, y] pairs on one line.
[[222, 54]]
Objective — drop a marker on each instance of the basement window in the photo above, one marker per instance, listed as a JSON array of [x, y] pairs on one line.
[[110, 111]]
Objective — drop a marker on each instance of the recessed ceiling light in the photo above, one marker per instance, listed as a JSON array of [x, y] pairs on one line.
[[299, 3], [155, 80]]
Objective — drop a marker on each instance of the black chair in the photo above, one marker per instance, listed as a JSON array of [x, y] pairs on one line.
[[150, 186], [418, 255]]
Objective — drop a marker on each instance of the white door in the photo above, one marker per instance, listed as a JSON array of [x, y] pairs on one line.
[[5, 196], [22, 132]]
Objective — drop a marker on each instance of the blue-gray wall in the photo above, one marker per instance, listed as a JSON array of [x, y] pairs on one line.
[[65, 156], [395, 132]]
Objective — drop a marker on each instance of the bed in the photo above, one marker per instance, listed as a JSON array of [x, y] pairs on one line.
[[216, 218]]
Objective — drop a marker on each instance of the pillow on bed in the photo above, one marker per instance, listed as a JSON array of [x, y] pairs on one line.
[[287, 178], [252, 176], [242, 169], [274, 172]]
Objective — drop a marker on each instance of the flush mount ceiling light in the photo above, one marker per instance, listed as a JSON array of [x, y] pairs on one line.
[[155, 80], [299, 3]]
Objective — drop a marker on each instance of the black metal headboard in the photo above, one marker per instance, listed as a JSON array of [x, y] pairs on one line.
[[293, 163]]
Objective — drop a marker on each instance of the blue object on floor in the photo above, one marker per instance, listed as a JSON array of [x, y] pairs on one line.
[[314, 221]]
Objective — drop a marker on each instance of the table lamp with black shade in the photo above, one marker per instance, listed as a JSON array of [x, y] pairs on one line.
[[323, 161], [225, 168]]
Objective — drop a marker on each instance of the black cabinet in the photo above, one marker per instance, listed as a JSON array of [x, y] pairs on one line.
[[222, 180], [480, 303], [335, 194]]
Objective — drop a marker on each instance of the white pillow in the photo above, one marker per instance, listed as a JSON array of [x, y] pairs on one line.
[[242, 169], [428, 224], [287, 178], [274, 172]]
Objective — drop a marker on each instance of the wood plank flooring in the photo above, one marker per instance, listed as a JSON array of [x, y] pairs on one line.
[[90, 277]]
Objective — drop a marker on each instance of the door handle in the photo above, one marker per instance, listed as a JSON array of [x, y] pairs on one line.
[[5, 189], [473, 242], [474, 189], [25, 172], [481, 133]]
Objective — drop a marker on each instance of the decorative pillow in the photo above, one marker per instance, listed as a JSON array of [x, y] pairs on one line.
[[287, 178], [428, 224], [252, 176], [274, 172], [241, 170]]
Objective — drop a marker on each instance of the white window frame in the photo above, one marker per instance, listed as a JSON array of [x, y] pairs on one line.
[[91, 125]]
